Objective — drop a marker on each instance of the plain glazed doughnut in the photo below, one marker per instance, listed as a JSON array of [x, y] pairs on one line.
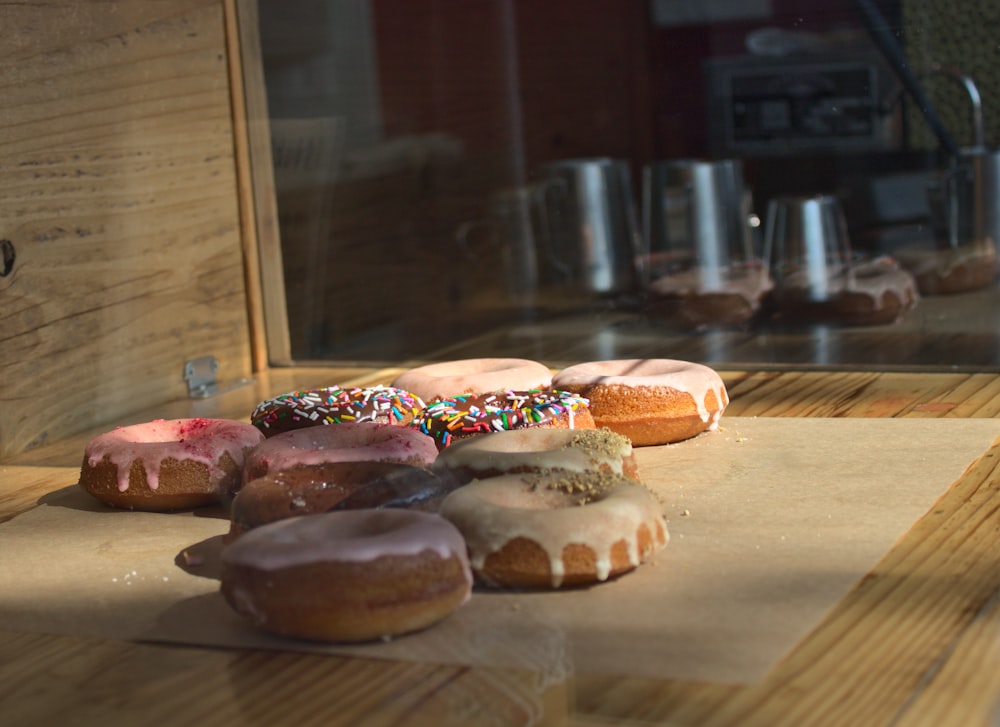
[[538, 450], [867, 294], [449, 420], [557, 529], [686, 298], [473, 376], [335, 405], [359, 442], [650, 401], [347, 576], [312, 489], [167, 464]]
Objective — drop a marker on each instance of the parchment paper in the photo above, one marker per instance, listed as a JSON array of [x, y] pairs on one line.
[[771, 520]]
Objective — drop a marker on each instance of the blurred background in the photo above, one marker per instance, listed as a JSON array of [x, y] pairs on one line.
[[485, 178]]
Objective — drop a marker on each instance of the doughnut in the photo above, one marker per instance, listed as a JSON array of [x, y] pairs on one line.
[[557, 529], [349, 576], [650, 401], [689, 299], [473, 376], [867, 294], [334, 405], [167, 464], [951, 270], [538, 450], [459, 417], [357, 442], [311, 489]]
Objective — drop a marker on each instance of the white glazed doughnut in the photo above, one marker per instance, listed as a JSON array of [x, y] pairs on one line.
[[650, 401], [473, 376], [556, 529]]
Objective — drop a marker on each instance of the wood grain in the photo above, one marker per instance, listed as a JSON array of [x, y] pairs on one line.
[[118, 191], [915, 642]]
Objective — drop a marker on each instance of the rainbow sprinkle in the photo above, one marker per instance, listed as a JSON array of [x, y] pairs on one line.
[[333, 405], [467, 414]]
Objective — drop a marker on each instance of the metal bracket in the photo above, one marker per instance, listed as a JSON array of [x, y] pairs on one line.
[[200, 376]]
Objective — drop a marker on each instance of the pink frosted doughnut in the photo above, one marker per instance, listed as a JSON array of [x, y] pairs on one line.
[[348, 576], [167, 464], [346, 442], [474, 376], [650, 401]]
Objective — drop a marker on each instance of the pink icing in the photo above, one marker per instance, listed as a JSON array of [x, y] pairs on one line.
[[473, 376], [199, 440], [684, 376], [345, 442], [347, 536], [873, 279], [749, 283]]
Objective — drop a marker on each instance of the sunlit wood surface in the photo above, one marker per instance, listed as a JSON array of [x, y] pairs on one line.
[[916, 641]]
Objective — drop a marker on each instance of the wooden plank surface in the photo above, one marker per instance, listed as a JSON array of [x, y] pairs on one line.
[[118, 192], [913, 643]]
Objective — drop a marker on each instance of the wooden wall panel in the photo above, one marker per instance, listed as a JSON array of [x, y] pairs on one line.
[[118, 196]]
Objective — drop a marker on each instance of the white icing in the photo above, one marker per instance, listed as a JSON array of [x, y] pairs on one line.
[[492, 512], [473, 376], [686, 377]]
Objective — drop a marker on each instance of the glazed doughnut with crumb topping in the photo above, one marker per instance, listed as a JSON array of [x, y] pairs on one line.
[[556, 529], [538, 450], [335, 405], [348, 576], [650, 401], [473, 376], [167, 464], [347, 442], [448, 420]]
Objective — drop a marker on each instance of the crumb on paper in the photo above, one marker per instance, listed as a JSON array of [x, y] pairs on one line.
[[685, 512]]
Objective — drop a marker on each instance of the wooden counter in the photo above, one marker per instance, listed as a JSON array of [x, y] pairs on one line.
[[916, 641]]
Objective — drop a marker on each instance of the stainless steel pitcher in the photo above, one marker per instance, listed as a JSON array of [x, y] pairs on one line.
[[596, 240], [698, 212]]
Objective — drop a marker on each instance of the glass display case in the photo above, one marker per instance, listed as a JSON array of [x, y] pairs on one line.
[[592, 180]]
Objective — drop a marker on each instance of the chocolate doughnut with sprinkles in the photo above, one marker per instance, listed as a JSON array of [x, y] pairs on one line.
[[459, 417], [334, 405]]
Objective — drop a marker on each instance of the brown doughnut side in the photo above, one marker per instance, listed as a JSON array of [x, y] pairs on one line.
[[847, 308], [183, 484], [649, 415], [704, 309], [965, 276], [522, 562], [348, 601]]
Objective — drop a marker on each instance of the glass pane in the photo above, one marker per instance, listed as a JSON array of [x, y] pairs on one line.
[[747, 183]]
